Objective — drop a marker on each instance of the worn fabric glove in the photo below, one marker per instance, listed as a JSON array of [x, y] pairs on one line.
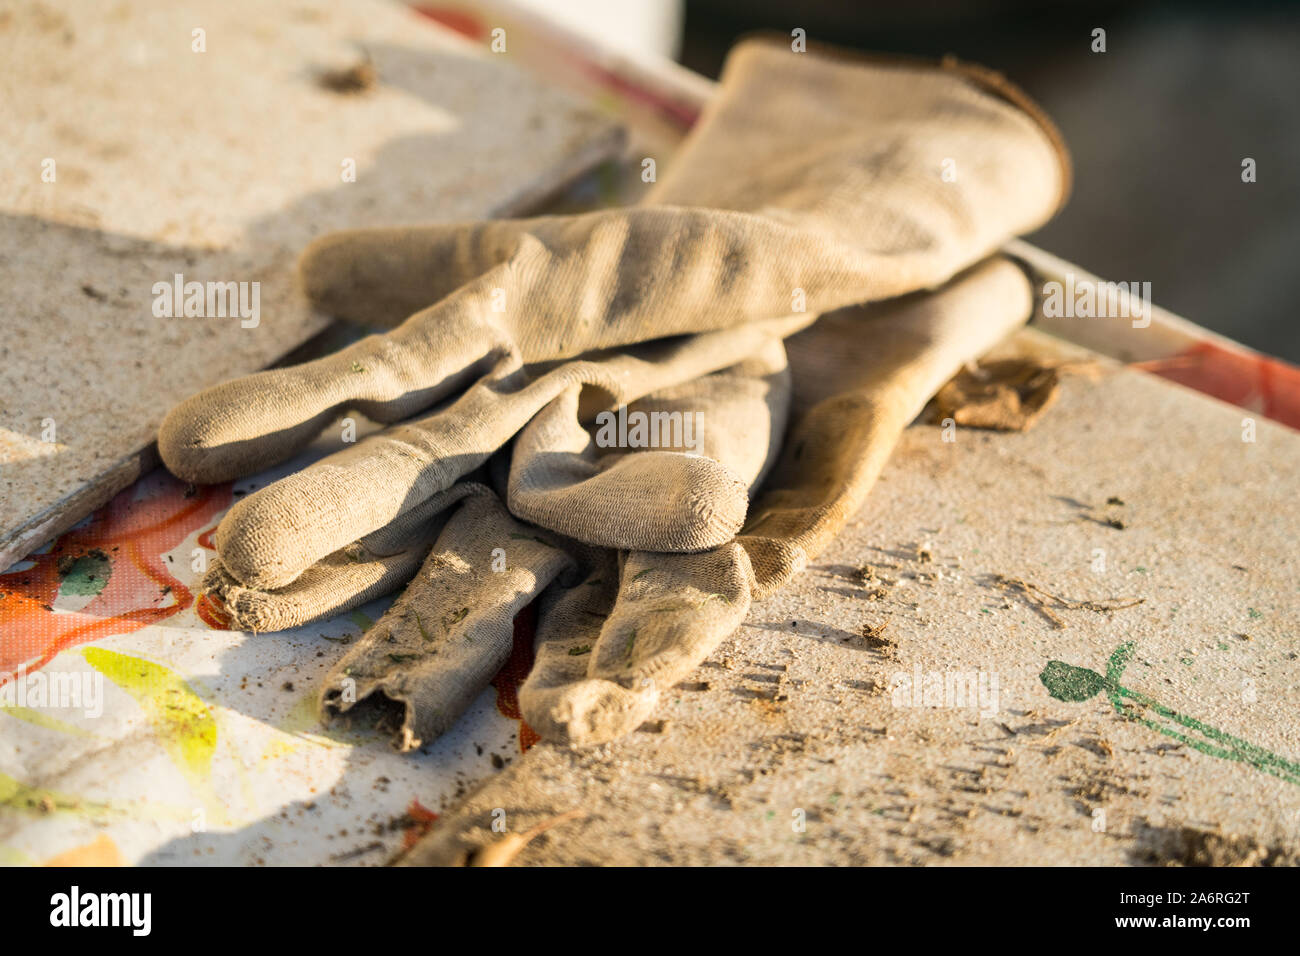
[[616, 629], [444, 638], [810, 183]]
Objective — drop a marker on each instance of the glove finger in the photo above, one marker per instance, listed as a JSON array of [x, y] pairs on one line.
[[598, 280], [663, 500], [860, 377], [568, 630], [741, 414], [451, 630], [360, 572], [559, 286], [247, 424], [671, 611], [724, 428]]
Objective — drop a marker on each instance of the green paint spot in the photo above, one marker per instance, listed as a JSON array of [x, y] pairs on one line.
[[183, 722], [1067, 682], [86, 575], [675, 607], [15, 795], [1253, 613], [363, 621], [580, 650], [45, 720]]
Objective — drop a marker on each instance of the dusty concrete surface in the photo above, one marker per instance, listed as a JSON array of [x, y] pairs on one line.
[[130, 156], [1129, 488]]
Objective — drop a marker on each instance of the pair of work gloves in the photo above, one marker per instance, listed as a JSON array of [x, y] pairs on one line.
[[739, 296]]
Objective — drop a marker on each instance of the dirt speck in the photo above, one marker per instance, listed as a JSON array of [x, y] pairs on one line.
[[1193, 846], [349, 81]]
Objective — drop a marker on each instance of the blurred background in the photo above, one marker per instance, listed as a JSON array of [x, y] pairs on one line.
[[1158, 124]]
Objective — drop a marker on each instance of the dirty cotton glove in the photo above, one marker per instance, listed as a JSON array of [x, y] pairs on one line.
[[445, 637], [606, 650], [810, 183], [847, 204]]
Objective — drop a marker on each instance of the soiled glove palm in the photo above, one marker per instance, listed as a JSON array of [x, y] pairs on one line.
[[810, 183]]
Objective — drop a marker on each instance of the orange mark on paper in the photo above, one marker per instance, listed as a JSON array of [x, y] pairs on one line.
[[141, 590]]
